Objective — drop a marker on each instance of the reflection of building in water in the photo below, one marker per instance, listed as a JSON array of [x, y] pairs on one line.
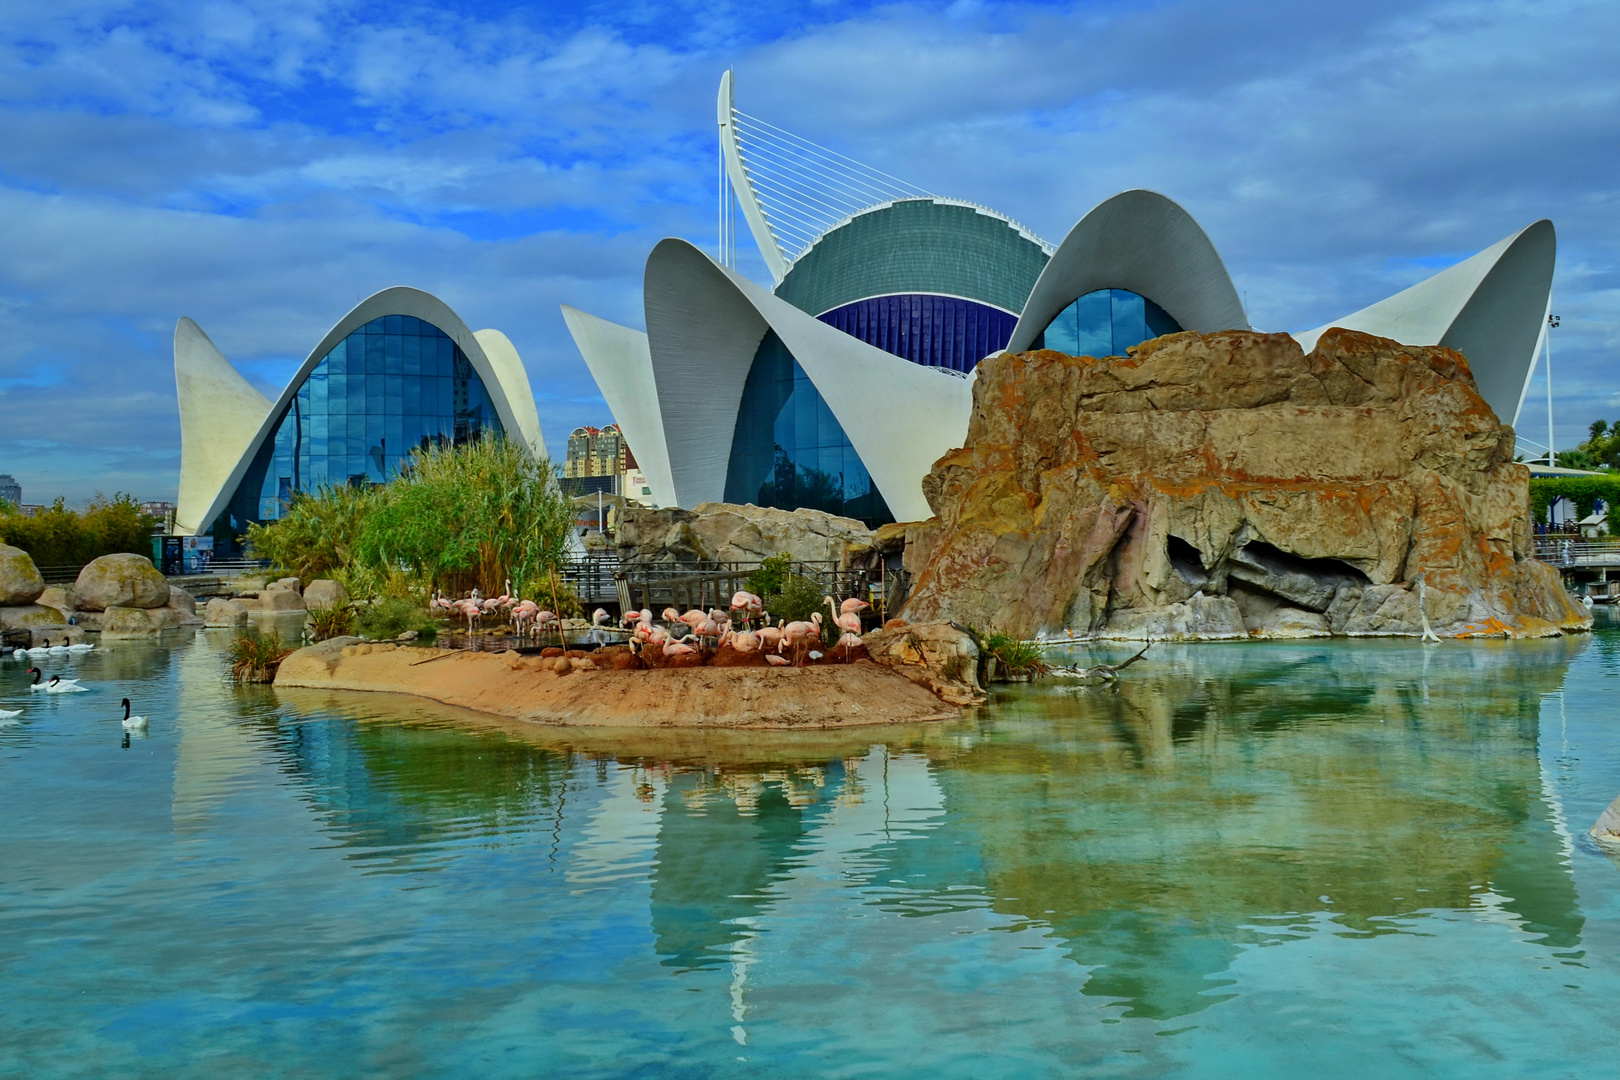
[[1163, 829], [722, 841]]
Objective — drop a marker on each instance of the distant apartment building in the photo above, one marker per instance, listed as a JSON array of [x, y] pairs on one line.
[[162, 511], [599, 460], [10, 490]]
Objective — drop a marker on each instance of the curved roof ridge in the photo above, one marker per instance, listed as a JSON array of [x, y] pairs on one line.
[[395, 300], [938, 200]]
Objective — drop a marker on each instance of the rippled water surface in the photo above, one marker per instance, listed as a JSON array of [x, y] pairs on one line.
[[1325, 859]]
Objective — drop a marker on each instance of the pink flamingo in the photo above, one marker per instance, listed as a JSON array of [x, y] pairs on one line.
[[776, 660], [853, 606], [850, 623], [745, 641], [771, 637], [675, 648]]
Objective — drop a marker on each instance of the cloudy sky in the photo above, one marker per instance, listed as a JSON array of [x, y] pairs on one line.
[[260, 167]]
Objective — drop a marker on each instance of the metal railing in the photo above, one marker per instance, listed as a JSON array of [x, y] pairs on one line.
[[61, 575], [1568, 552]]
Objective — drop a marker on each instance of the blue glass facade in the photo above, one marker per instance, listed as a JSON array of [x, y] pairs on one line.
[[1105, 323], [393, 385], [789, 452], [936, 331]]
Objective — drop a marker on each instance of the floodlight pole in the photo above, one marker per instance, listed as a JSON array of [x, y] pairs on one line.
[[1552, 324]]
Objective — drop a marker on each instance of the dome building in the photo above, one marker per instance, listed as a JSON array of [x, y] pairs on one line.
[[840, 386], [401, 371]]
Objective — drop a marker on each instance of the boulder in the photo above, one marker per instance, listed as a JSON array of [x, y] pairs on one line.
[[1232, 485], [726, 532], [20, 582], [127, 622], [57, 596], [180, 600], [120, 581], [323, 593], [274, 599], [939, 656], [222, 612], [1607, 828], [168, 618], [291, 584], [43, 623]]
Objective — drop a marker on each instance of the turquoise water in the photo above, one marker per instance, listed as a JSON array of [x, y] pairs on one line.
[[1325, 859]]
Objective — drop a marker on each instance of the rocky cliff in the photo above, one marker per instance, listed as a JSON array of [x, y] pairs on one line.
[[725, 532], [1228, 485]]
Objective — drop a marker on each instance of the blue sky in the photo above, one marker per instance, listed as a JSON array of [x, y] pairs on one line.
[[260, 167]]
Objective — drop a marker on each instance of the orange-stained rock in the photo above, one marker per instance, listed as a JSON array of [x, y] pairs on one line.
[[1230, 485]]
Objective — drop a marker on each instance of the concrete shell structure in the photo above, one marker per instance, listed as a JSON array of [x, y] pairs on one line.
[[680, 391], [226, 425], [1491, 308]]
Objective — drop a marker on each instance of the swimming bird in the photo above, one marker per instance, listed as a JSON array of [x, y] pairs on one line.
[[62, 649], [55, 684], [133, 723], [81, 646], [7, 715]]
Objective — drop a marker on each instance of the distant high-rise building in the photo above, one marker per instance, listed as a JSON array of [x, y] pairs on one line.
[[595, 452], [10, 490]]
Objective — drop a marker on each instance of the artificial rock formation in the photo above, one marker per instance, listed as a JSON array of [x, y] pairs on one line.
[[222, 612], [725, 532], [120, 581], [1228, 485], [325, 593]]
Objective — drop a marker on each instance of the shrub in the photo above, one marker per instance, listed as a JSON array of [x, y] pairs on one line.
[[1015, 656], [799, 598], [771, 575], [1583, 491], [57, 536], [316, 535], [331, 622], [393, 616], [255, 657]]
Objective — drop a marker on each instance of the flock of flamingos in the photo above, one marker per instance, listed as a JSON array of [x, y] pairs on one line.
[[695, 633]]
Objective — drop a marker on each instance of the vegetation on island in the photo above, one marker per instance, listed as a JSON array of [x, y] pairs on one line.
[[480, 515], [1013, 656], [255, 657], [60, 536]]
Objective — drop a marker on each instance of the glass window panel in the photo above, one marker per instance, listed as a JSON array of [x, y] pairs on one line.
[[393, 324], [376, 351], [412, 353], [393, 354], [374, 396], [828, 432], [393, 395], [1129, 327], [410, 325], [411, 398]]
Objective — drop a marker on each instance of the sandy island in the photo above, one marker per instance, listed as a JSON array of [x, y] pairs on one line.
[[519, 688]]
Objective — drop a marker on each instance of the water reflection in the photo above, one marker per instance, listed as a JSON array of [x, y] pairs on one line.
[[1222, 800]]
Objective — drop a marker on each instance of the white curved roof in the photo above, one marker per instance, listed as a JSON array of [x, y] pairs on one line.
[[514, 404], [704, 326], [621, 363], [1490, 307], [219, 412], [1141, 241]]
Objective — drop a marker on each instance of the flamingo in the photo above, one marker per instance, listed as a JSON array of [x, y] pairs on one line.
[[849, 642], [132, 723], [708, 628], [853, 606], [670, 615], [850, 623], [599, 617], [675, 648], [771, 637], [745, 641], [776, 660]]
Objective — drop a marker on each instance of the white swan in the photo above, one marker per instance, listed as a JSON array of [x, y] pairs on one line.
[[82, 646], [59, 649], [133, 723], [8, 715], [55, 684]]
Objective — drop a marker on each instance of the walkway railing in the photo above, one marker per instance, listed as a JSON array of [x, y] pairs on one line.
[[1569, 552]]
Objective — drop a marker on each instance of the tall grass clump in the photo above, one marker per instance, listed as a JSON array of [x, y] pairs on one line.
[[316, 537], [255, 657], [456, 518], [471, 516], [59, 536], [1014, 656]]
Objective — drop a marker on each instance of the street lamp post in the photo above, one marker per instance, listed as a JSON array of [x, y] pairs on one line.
[[1552, 324]]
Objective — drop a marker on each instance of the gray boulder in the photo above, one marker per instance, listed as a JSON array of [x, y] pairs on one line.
[[291, 584], [727, 532], [1198, 618], [274, 599], [57, 596], [120, 581], [128, 622], [42, 622], [20, 582], [222, 612], [323, 593], [1607, 828]]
